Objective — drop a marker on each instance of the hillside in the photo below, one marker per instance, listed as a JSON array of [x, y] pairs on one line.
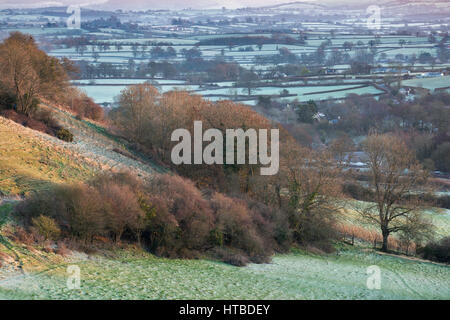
[[298, 275], [31, 160]]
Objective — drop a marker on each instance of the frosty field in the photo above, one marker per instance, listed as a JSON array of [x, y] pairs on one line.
[[429, 83], [292, 276]]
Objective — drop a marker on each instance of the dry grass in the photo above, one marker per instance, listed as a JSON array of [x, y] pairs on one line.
[[351, 232], [30, 160]]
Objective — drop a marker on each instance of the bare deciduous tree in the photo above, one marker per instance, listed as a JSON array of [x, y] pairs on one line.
[[394, 175], [18, 76], [136, 106], [29, 73]]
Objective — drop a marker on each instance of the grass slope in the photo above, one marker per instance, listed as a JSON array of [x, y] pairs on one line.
[[31, 161], [293, 276]]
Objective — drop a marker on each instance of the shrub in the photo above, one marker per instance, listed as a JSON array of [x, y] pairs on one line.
[[21, 235], [229, 255], [315, 229], [272, 224], [357, 192], [62, 249], [46, 116], [76, 208], [233, 220], [182, 217], [107, 206], [46, 227], [38, 126], [169, 214], [437, 251], [121, 208], [7, 101], [65, 135], [82, 105], [41, 120]]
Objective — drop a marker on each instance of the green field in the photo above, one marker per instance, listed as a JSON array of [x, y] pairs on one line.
[[429, 83], [293, 276]]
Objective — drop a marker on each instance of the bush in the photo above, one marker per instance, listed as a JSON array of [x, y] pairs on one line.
[[21, 235], [107, 206], [169, 214], [437, 251], [65, 135], [7, 101], [236, 228], [272, 224], [231, 256], [179, 216], [77, 209], [87, 108], [42, 122], [121, 207], [46, 227], [62, 249], [314, 229], [82, 105], [46, 116], [357, 191]]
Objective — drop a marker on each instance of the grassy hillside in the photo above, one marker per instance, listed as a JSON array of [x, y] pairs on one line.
[[30, 160]]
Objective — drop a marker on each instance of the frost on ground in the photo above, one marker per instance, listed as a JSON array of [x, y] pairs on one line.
[[291, 276]]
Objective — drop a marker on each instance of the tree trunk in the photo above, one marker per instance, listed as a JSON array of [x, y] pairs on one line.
[[384, 247], [278, 192]]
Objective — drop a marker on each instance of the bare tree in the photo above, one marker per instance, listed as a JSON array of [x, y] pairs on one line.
[[136, 105], [18, 75], [394, 175], [313, 187], [29, 73]]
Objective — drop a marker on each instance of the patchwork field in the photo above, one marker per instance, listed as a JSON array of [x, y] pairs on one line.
[[429, 83], [105, 91]]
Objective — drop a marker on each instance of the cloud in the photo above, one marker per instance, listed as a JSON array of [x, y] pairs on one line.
[[141, 4], [6, 4], [182, 4]]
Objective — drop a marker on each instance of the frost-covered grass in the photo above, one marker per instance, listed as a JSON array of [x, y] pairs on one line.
[[127, 81], [107, 93], [276, 90], [429, 83], [292, 276], [441, 220], [105, 90]]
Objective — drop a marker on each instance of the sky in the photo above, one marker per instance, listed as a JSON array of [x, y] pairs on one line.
[[142, 4]]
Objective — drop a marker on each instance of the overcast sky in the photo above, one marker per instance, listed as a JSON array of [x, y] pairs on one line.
[[142, 4]]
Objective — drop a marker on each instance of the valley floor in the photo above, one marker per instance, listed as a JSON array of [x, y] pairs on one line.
[[297, 275]]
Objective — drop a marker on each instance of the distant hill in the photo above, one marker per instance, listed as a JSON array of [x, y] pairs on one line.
[[297, 5], [392, 7], [355, 4]]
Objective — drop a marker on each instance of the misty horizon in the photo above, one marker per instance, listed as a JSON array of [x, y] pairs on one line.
[[175, 4]]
